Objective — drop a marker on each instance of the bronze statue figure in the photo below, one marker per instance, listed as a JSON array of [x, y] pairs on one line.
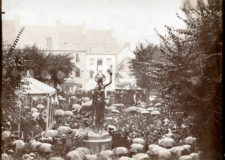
[[98, 101]]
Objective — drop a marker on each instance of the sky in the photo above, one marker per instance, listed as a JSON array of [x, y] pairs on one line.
[[134, 21]]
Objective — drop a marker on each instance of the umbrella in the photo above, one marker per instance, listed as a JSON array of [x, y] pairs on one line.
[[137, 148], [166, 142], [155, 113], [132, 109], [34, 109], [69, 113], [151, 109], [158, 104], [78, 155], [34, 144], [76, 107], [73, 97], [5, 156], [125, 158], [111, 108], [141, 156], [63, 129], [59, 112], [120, 151], [106, 154], [139, 141], [45, 147], [87, 103], [190, 140], [6, 134], [115, 111], [35, 114], [19, 144], [145, 112], [177, 150], [111, 127], [51, 133], [40, 106], [90, 157]]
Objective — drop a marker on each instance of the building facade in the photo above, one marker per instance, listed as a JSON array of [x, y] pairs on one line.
[[93, 50], [100, 63]]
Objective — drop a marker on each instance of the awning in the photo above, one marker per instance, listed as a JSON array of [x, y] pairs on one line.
[[33, 86]]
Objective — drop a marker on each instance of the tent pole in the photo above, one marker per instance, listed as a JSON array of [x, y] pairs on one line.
[[47, 113]]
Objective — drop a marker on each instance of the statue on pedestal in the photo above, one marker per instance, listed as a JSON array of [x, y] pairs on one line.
[[98, 101]]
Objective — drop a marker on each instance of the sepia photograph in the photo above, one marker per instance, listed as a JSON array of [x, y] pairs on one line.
[[111, 80]]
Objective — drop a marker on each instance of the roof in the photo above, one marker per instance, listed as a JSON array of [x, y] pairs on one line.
[[34, 86], [124, 64]]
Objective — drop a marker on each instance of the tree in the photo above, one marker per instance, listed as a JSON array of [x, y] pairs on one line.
[[48, 67], [144, 55], [12, 69], [189, 74]]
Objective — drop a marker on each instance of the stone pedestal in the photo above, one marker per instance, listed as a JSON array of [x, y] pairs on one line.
[[98, 142]]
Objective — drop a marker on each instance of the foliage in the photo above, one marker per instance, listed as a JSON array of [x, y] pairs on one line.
[[144, 55], [48, 67], [189, 74], [12, 69], [151, 128]]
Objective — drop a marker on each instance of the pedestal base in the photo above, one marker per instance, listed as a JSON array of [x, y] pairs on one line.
[[98, 142]]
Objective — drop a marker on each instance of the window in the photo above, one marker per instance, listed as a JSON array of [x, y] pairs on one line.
[[92, 60], [49, 43], [77, 58], [93, 50], [107, 50], [91, 74], [99, 62], [78, 72]]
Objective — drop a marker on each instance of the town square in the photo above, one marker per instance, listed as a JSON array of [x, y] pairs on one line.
[[111, 80]]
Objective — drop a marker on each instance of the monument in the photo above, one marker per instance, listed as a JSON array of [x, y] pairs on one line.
[[99, 139]]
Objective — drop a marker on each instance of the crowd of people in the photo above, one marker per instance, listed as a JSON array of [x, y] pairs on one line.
[[129, 97], [126, 97]]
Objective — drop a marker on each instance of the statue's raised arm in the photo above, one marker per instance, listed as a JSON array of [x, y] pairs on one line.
[[110, 73]]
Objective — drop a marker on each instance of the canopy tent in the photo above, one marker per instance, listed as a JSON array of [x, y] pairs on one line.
[[34, 88]]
